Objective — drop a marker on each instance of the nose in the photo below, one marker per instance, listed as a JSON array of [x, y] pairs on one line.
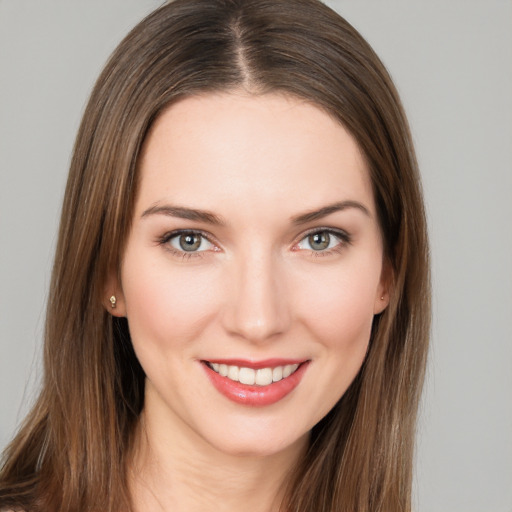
[[257, 307]]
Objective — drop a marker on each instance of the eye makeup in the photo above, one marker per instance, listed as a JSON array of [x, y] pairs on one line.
[[323, 241], [189, 243]]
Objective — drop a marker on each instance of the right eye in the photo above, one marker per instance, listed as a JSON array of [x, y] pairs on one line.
[[189, 242]]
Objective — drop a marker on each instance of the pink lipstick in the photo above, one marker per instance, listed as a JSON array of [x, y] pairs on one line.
[[256, 384]]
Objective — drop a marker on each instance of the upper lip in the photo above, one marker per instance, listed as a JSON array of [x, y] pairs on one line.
[[256, 365]]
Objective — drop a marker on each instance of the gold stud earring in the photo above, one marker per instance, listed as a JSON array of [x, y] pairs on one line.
[[113, 301]]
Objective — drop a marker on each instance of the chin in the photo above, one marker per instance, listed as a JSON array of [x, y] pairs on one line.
[[263, 450], [259, 441]]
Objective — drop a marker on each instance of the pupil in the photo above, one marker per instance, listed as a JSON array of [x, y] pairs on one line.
[[190, 242], [319, 241]]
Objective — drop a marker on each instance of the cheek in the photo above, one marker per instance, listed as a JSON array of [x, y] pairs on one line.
[[337, 305], [165, 305]]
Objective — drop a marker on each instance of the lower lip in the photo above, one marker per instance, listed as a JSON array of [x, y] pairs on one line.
[[256, 396]]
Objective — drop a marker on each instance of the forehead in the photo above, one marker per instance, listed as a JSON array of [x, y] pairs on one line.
[[266, 151]]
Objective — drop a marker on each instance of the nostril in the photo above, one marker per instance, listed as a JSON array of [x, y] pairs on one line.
[[256, 309]]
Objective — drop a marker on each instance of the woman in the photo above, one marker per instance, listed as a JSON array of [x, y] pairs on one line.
[[239, 307]]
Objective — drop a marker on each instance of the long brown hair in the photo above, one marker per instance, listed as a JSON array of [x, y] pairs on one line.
[[71, 454]]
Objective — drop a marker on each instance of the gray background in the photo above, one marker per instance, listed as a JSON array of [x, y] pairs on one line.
[[452, 62]]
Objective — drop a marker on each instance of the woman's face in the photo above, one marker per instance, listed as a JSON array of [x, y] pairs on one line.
[[253, 269]]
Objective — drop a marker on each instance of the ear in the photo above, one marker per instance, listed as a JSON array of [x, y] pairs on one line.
[[113, 297], [384, 289]]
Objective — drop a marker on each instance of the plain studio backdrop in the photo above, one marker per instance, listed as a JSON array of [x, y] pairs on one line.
[[452, 63]]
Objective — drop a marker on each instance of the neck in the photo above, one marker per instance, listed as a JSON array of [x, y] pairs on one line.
[[174, 469]]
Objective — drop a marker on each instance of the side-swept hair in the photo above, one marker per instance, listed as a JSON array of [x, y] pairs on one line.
[[72, 452]]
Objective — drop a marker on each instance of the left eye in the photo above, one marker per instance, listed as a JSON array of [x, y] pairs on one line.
[[320, 241], [190, 242]]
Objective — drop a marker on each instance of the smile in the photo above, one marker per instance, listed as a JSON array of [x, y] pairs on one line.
[[254, 377], [255, 384]]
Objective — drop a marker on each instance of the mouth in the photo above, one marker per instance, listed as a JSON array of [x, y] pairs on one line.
[[255, 384], [251, 376]]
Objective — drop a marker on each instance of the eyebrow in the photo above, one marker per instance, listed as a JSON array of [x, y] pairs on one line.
[[328, 210], [185, 213], [197, 215]]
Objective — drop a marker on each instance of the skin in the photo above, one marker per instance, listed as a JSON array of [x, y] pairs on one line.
[[254, 290]]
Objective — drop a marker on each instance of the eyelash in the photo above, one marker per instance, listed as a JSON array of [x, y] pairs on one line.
[[185, 255], [343, 236], [344, 240]]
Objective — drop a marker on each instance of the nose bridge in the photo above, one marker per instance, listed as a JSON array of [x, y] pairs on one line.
[[258, 307]]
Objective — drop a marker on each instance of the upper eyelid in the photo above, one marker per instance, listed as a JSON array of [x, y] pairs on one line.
[[177, 232], [336, 231]]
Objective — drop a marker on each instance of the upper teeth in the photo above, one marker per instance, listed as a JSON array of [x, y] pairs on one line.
[[261, 377]]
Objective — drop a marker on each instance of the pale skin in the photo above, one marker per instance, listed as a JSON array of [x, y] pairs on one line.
[[284, 260]]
